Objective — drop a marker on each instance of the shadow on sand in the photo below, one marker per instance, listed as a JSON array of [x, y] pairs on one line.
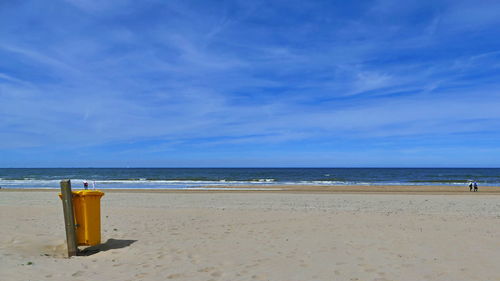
[[111, 244]]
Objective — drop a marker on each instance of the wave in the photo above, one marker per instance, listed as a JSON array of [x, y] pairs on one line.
[[440, 181], [185, 180], [195, 183], [19, 179], [330, 179]]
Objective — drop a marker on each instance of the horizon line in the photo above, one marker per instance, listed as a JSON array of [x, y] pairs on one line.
[[388, 167]]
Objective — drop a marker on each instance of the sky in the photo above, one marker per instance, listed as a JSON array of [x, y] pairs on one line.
[[249, 83]]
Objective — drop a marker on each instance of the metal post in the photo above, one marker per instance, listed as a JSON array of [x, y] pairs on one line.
[[69, 217]]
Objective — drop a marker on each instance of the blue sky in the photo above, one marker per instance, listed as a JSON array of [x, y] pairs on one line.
[[249, 83]]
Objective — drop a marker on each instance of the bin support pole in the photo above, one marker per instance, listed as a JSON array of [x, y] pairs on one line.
[[69, 217]]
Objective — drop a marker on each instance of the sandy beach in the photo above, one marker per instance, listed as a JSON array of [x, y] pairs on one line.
[[293, 235]]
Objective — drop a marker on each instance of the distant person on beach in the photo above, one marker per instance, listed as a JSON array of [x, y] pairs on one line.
[[475, 186], [85, 184], [470, 186]]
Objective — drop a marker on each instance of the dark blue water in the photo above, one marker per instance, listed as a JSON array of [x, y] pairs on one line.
[[212, 177]]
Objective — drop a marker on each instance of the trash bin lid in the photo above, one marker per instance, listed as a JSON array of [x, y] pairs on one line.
[[88, 193]]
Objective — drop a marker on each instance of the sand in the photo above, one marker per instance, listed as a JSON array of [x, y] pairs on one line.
[[259, 236]]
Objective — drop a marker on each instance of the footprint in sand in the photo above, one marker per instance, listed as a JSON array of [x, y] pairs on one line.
[[369, 270], [174, 276], [206, 269], [216, 274], [78, 273]]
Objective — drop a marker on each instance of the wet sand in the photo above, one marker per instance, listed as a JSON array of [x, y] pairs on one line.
[[408, 189]]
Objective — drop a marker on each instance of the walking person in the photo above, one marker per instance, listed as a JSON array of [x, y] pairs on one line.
[[475, 186], [470, 186]]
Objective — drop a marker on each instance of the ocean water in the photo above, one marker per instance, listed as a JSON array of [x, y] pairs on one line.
[[186, 178]]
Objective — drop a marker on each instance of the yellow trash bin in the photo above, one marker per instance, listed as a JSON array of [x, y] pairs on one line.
[[87, 210]]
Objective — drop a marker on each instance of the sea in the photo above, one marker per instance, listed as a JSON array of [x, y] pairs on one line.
[[211, 178]]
